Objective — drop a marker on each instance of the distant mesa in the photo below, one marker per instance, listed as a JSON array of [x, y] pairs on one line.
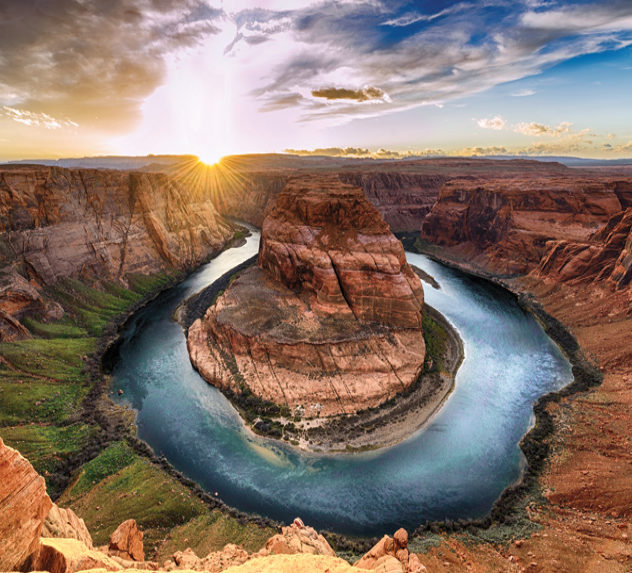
[[330, 320]]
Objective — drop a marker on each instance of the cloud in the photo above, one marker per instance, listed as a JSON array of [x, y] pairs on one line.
[[94, 61], [621, 148], [362, 95], [461, 50], [33, 119], [538, 129], [523, 93], [497, 123]]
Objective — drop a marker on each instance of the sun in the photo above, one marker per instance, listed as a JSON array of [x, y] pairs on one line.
[[210, 157]]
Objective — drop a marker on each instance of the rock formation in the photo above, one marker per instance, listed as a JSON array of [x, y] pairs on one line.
[[329, 322], [506, 224], [94, 225], [23, 506], [64, 523], [391, 554], [71, 556], [297, 538], [127, 542], [403, 191], [605, 256]]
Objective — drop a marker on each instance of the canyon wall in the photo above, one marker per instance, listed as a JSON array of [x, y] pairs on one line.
[[510, 225], [330, 320], [403, 191], [94, 225]]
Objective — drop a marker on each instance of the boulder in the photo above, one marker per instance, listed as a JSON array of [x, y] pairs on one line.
[[297, 538], [127, 542], [391, 554], [65, 523], [70, 556], [24, 505]]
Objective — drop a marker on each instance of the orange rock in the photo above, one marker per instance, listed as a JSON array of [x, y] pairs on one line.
[[70, 556], [297, 538], [330, 321], [23, 506], [127, 541], [401, 538], [65, 523]]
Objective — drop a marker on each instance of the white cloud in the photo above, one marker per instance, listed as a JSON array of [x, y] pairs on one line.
[[538, 129], [497, 123], [35, 119], [523, 93]]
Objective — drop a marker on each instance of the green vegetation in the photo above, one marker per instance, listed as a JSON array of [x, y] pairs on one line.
[[211, 532], [118, 484], [43, 384], [437, 340], [43, 380], [47, 446]]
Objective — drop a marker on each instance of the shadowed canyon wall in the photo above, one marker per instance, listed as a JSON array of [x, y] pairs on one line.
[[94, 225]]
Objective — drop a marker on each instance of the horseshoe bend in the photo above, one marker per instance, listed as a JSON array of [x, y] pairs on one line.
[[328, 323]]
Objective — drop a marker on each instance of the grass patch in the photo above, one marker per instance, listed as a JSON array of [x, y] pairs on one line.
[[437, 340], [114, 458], [211, 532], [120, 485], [48, 447]]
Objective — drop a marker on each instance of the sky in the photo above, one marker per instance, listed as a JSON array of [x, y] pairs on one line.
[[382, 78]]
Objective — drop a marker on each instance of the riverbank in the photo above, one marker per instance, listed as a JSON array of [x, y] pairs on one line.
[[382, 426]]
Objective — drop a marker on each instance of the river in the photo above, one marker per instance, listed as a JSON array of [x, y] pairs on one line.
[[455, 467]]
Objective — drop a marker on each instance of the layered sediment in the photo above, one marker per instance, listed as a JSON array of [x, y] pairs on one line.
[[509, 225], [94, 225], [330, 321]]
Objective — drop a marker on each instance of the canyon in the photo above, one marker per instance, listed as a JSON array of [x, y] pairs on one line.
[[556, 235], [330, 321], [94, 226]]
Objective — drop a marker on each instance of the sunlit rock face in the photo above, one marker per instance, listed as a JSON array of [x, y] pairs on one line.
[[509, 225], [95, 225], [330, 319]]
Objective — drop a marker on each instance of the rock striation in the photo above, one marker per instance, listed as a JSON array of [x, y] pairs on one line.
[[95, 225], [606, 256], [64, 523], [508, 224], [329, 322], [24, 505]]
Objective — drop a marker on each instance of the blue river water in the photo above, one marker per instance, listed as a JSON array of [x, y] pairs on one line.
[[455, 467]]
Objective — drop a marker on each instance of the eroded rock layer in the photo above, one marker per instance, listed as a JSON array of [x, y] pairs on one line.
[[330, 319], [94, 225], [509, 224]]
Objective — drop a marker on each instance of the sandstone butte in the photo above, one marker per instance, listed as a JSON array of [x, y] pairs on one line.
[[64, 544], [330, 321], [94, 225]]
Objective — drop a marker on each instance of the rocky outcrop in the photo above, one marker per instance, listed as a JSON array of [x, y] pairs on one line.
[[71, 556], [391, 554], [95, 225], [297, 538], [507, 225], [127, 542], [64, 523], [605, 257], [214, 562], [330, 320], [23, 506]]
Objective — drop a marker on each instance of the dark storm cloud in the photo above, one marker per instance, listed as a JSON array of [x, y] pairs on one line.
[[93, 61]]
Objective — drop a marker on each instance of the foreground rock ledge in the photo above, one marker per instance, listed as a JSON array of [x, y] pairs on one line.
[[330, 321]]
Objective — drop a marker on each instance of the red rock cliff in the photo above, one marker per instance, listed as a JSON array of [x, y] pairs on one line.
[[330, 320], [93, 225], [507, 224]]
